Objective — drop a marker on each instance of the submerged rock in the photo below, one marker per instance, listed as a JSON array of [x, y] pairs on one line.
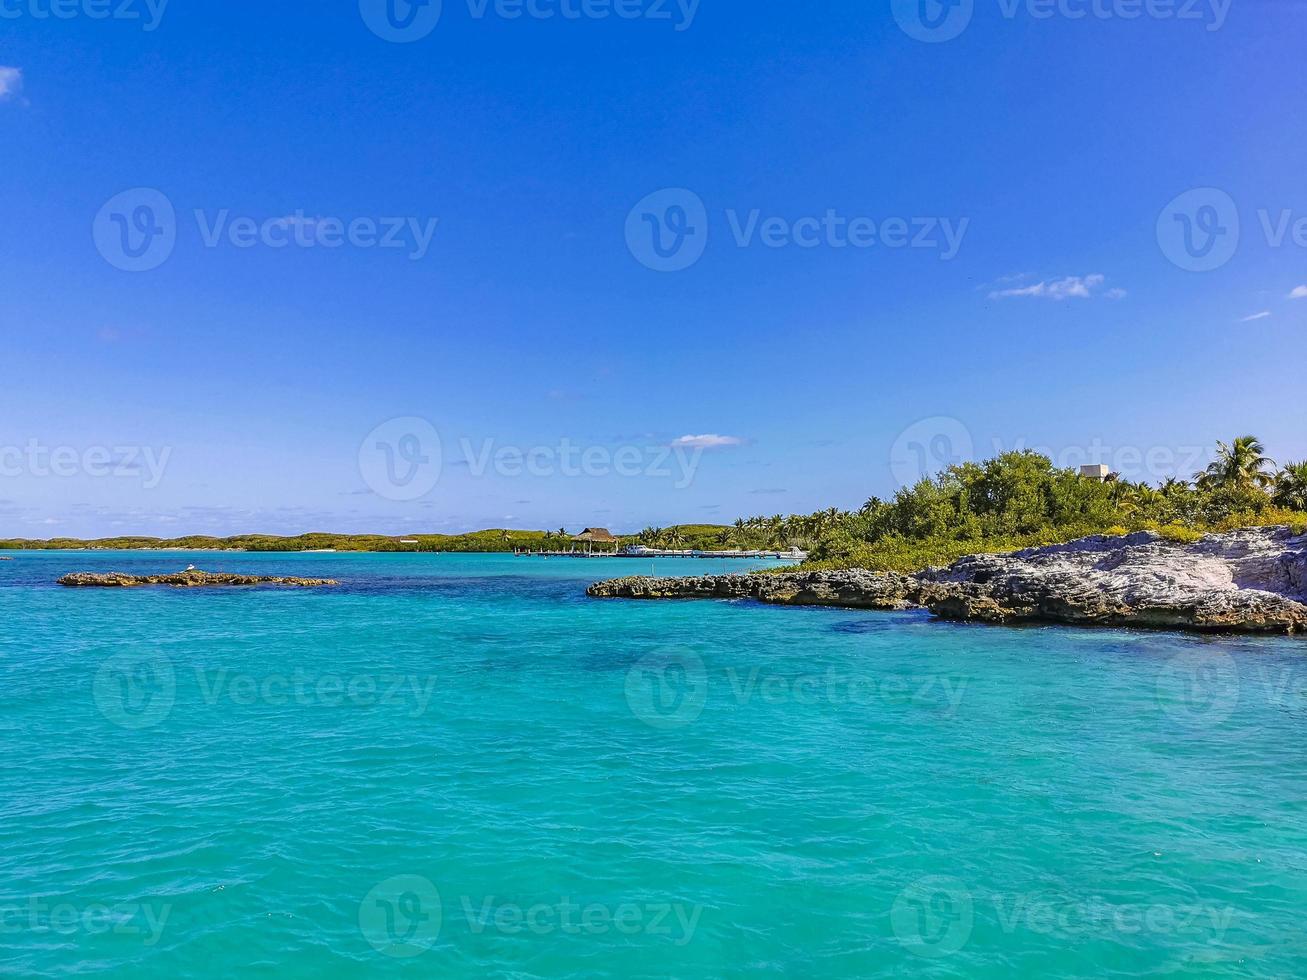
[[190, 579], [1253, 580]]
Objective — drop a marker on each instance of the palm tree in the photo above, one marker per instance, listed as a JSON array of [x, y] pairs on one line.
[[872, 505], [1141, 498], [1291, 486], [741, 533], [1239, 466]]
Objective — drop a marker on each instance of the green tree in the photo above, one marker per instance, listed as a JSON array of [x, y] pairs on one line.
[[1241, 466], [1291, 486]]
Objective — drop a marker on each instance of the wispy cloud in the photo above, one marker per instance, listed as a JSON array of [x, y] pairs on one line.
[[11, 81], [1256, 316], [1299, 292], [1068, 287], [707, 441]]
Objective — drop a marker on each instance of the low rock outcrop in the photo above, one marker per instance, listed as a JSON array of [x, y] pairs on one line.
[[190, 579], [855, 588], [1254, 580]]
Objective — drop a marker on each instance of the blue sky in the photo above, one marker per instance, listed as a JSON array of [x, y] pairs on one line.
[[520, 167]]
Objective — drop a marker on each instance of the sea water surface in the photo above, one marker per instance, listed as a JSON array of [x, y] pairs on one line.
[[459, 765]]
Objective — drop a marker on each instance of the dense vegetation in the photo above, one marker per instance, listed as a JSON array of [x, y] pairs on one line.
[[1020, 499]]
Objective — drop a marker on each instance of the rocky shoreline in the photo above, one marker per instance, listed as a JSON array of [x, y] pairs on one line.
[[190, 579], [1250, 581]]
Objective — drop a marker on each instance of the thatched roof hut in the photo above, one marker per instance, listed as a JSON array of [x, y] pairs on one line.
[[592, 536]]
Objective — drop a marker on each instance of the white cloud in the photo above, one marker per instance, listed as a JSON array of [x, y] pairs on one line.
[[11, 80], [1068, 287], [707, 441], [1256, 316], [1299, 292]]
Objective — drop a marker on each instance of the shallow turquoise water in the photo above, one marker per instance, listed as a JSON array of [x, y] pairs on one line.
[[460, 766]]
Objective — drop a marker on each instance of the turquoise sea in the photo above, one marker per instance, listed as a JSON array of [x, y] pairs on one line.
[[461, 766]]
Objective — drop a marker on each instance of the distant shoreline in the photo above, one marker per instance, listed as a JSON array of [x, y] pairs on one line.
[[698, 537]]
